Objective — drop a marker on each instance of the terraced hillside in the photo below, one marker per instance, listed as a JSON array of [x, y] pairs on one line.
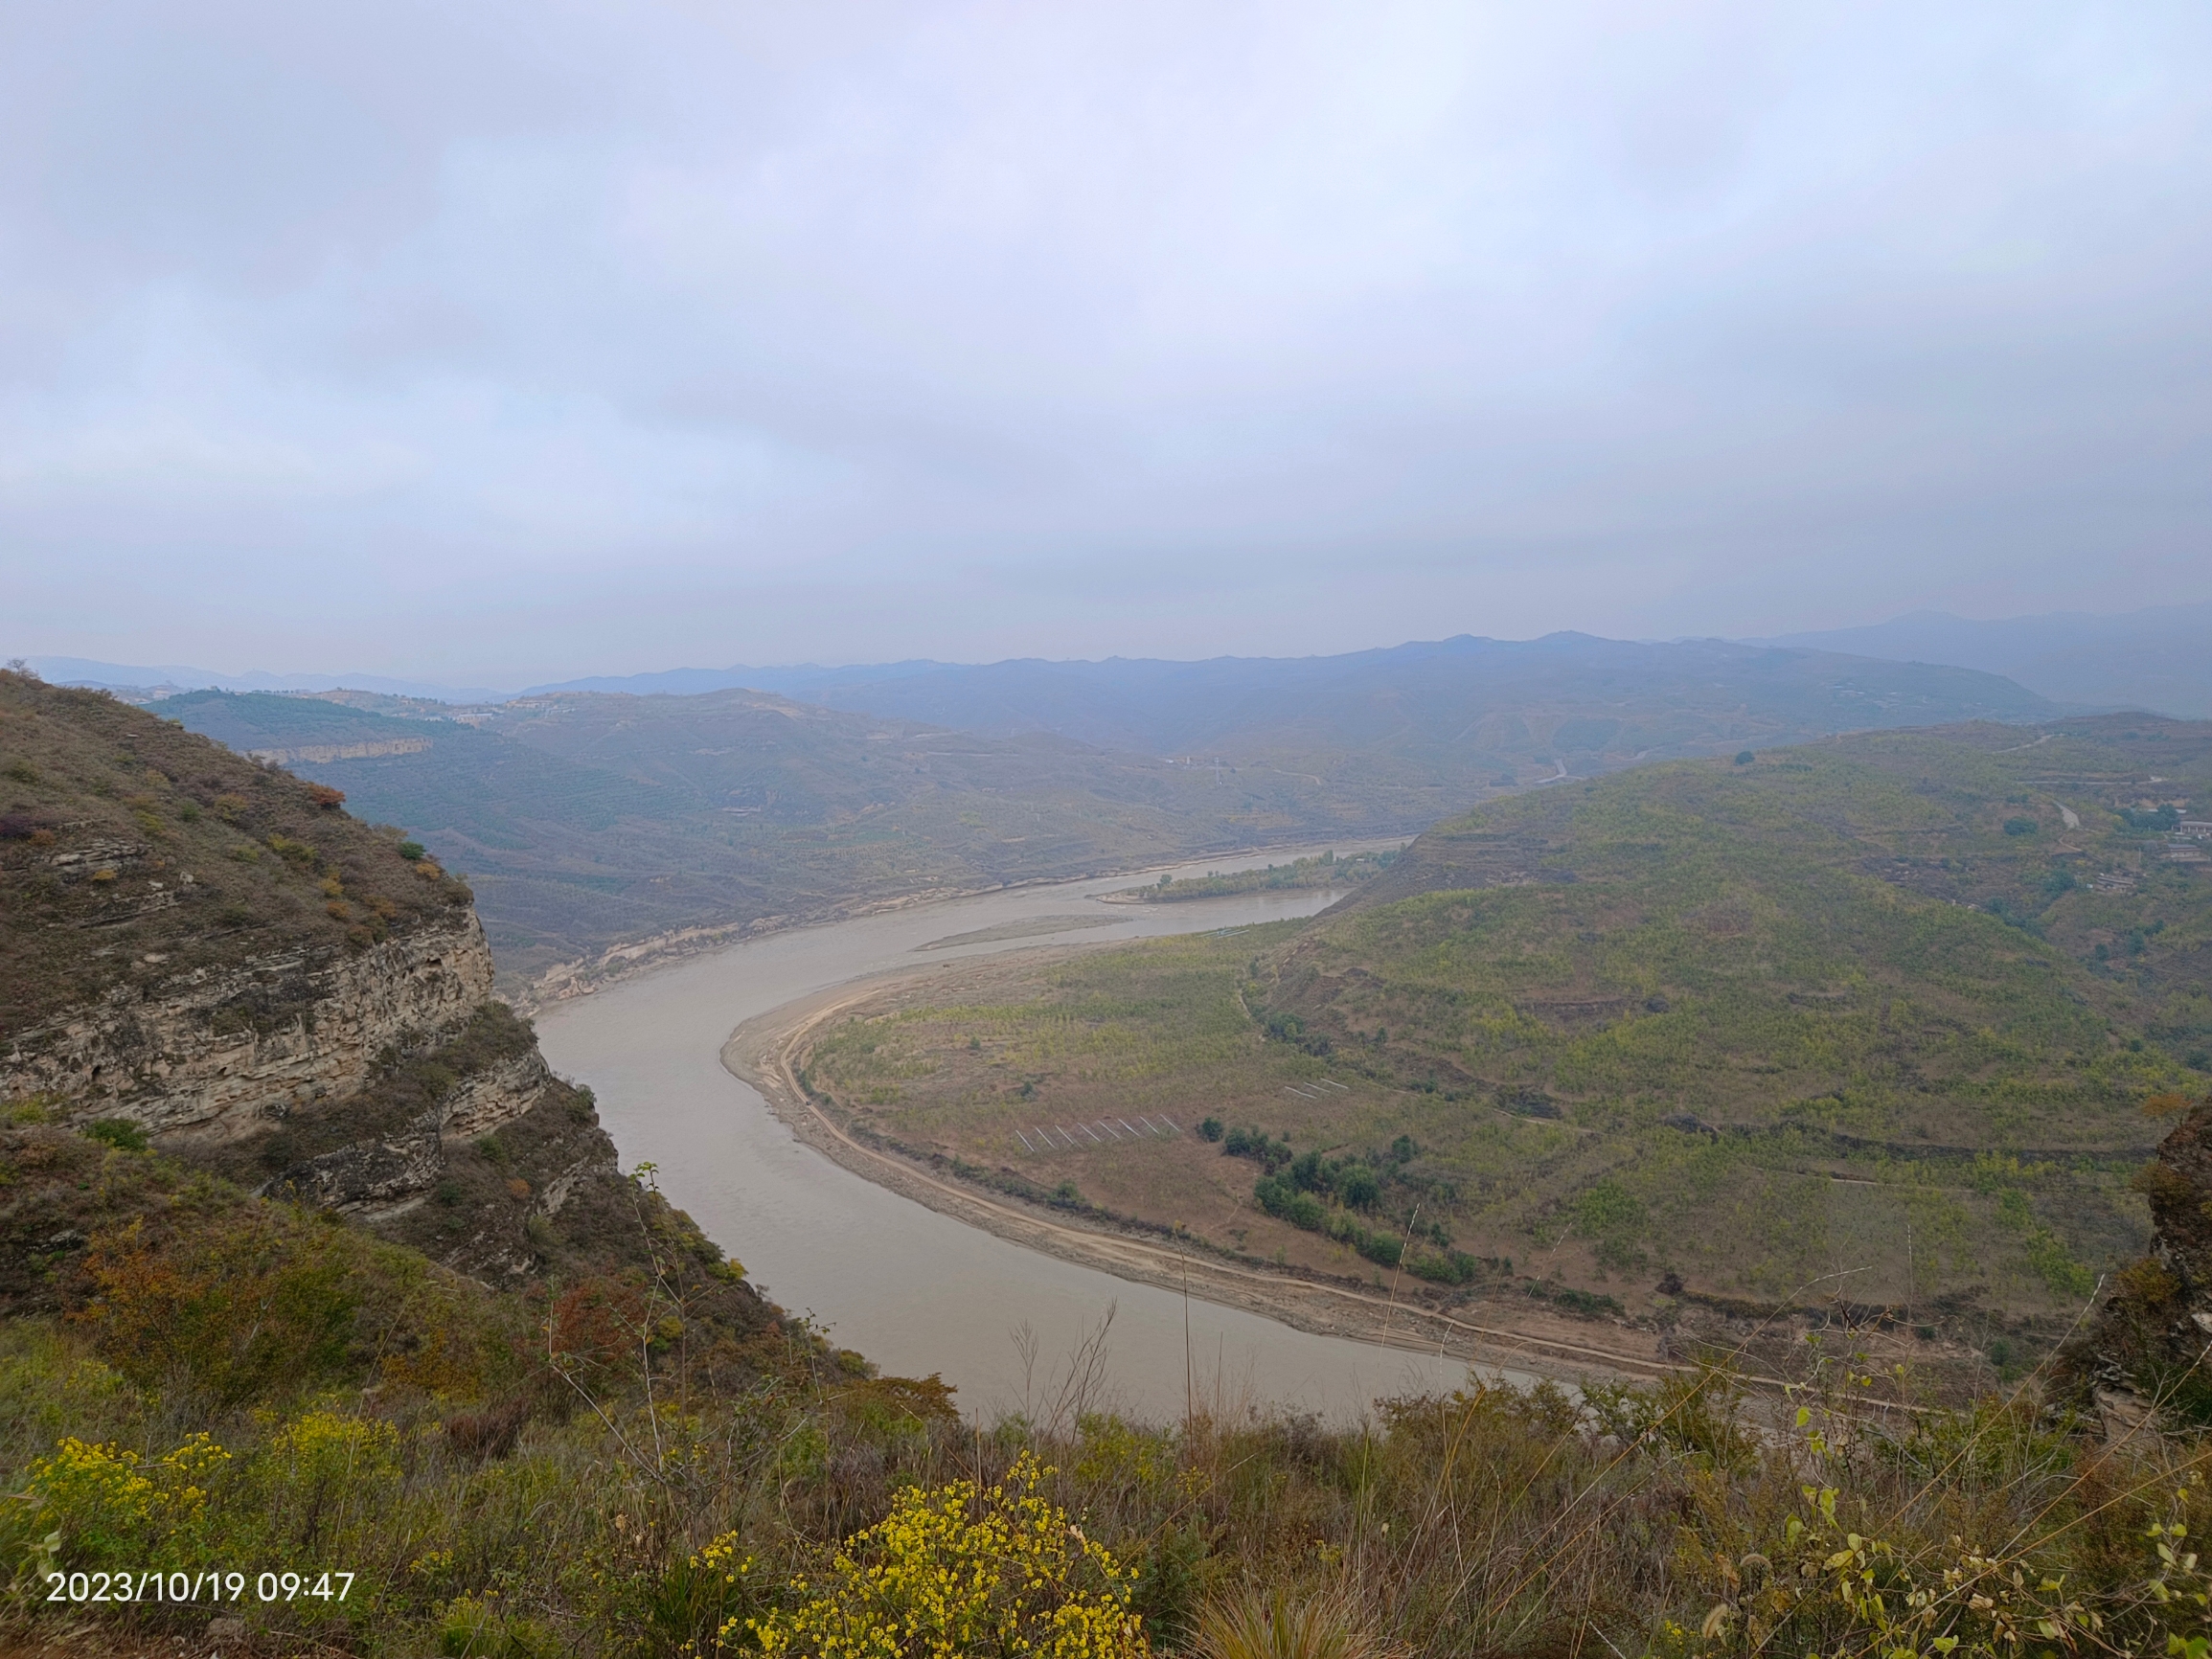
[[1873, 1018]]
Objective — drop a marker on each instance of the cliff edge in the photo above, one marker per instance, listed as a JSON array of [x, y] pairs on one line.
[[212, 953]]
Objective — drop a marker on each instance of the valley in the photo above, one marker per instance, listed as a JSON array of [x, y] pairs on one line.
[[602, 830], [1106, 831], [1251, 1168], [1866, 1024]]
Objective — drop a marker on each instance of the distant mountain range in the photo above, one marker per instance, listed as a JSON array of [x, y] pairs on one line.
[[2147, 659], [1415, 701], [180, 677]]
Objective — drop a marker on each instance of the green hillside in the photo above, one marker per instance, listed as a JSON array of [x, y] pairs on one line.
[[1753, 988], [1866, 1019]]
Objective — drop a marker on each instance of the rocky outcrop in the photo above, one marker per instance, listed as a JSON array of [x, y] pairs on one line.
[[291, 1000], [369, 1175], [217, 1054], [2149, 1348], [375, 1174], [496, 1096]]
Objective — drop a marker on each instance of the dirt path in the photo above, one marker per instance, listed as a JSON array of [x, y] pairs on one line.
[[762, 1053]]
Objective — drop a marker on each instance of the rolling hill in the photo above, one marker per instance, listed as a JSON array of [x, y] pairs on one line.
[[1871, 1018], [2146, 659], [590, 821]]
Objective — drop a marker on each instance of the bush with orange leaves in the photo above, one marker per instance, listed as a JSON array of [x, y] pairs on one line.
[[243, 1301]]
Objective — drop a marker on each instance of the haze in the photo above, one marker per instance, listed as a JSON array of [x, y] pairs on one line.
[[511, 343]]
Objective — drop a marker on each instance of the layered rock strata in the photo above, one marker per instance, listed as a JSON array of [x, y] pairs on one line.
[[2148, 1351], [217, 1054]]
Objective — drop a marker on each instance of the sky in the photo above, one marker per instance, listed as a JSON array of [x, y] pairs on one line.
[[505, 343]]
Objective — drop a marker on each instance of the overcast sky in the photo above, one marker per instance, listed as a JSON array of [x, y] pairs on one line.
[[506, 342]]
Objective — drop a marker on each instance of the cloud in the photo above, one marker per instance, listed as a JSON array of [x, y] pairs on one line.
[[533, 341]]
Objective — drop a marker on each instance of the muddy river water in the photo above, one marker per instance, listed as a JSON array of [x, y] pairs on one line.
[[916, 1291]]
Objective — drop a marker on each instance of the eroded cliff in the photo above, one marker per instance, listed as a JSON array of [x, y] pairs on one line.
[[211, 952]]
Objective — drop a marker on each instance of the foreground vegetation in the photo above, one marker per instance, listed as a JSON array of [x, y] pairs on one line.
[[597, 1471]]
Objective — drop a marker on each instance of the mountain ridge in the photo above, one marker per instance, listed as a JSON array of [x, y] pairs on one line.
[[594, 820], [2148, 659]]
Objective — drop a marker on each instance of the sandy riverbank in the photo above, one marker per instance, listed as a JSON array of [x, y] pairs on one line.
[[617, 964]]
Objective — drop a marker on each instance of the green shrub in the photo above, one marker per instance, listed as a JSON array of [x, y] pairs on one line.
[[1284, 1201], [121, 1133]]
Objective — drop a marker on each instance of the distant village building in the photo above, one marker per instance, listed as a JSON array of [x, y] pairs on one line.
[[2196, 828]]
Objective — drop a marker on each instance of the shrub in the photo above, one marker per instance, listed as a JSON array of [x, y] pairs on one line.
[[292, 850], [1210, 1129], [1358, 1186], [1284, 1201], [324, 1463], [1254, 1143], [1382, 1247], [412, 851], [1450, 1268], [121, 1133], [108, 1508], [329, 800], [951, 1572], [250, 1304], [2019, 826]]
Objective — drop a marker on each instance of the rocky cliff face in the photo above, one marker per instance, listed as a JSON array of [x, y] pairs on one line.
[[2149, 1348], [384, 1085], [215, 951], [220, 1054]]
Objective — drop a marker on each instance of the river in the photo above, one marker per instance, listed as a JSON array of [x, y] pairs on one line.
[[918, 1292]]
